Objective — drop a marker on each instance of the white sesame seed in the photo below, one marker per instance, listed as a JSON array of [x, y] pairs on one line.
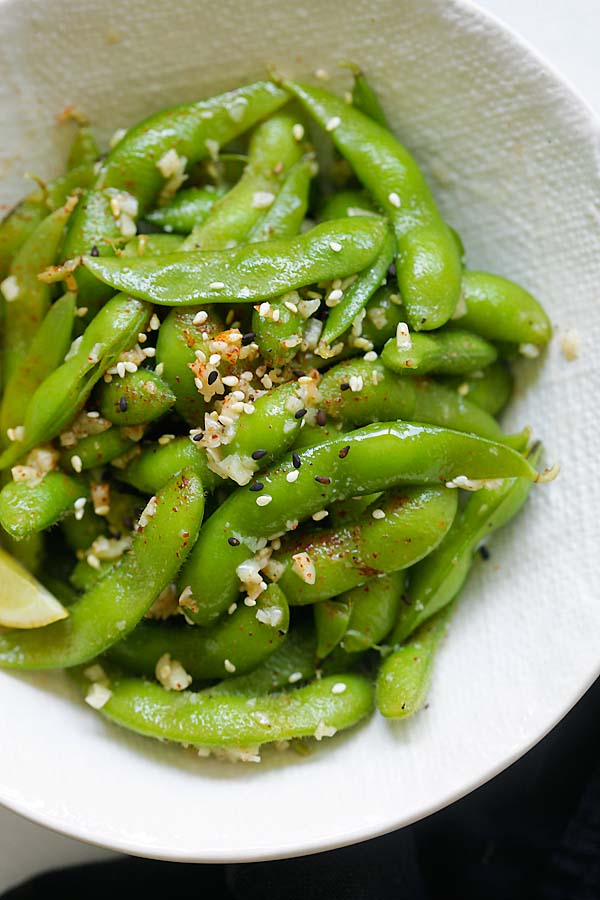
[[394, 199], [335, 246], [249, 602], [166, 439], [142, 338], [292, 476], [154, 322], [335, 296], [370, 356], [294, 677], [200, 317], [263, 500], [217, 285], [160, 368], [232, 609], [121, 369], [333, 123], [291, 306], [378, 514], [149, 352], [93, 561], [81, 311], [76, 463], [10, 288], [463, 389], [231, 381], [321, 514], [92, 414], [262, 199], [356, 383], [229, 666], [338, 688], [130, 367], [298, 131]]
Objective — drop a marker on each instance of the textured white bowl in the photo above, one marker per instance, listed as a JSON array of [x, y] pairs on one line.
[[512, 156]]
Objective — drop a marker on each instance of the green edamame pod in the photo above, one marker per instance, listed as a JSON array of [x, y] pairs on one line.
[[113, 607], [331, 623], [97, 449], [285, 216], [24, 314], [444, 352], [152, 245], [279, 333], [489, 388], [136, 165], [187, 209], [384, 312], [30, 506], [250, 273], [364, 97], [45, 353], [428, 265], [137, 399], [80, 533], [346, 203], [221, 720], [84, 576], [236, 644], [434, 582], [272, 151], [500, 310], [84, 150], [318, 566], [179, 336], [357, 295], [374, 611], [371, 459], [156, 463], [404, 676], [62, 394]]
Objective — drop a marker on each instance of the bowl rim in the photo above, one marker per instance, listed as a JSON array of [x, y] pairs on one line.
[[359, 833]]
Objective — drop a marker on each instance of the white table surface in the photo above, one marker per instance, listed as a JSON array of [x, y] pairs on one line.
[[567, 35]]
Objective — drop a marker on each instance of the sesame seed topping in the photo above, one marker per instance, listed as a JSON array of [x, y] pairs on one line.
[[92, 414], [232, 609], [149, 352], [333, 123], [321, 417], [230, 380], [121, 369], [356, 383], [212, 376], [344, 386], [165, 439], [321, 514], [123, 404], [298, 131], [322, 479], [76, 463], [263, 500], [292, 476], [344, 452], [200, 317], [294, 677], [256, 486], [248, 338], [154, 322], [378, 514], [296, 461], [160, 369], [233, 542], [394, 199], [229, 666], [300, 413], [216, 285], [370, 356], [338, 688], [258, 454], [335, 246]]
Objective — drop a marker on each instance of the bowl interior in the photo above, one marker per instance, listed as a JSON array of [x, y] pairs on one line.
[[512, 157]]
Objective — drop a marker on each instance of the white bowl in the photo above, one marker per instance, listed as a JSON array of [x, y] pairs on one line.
[[512, 156]]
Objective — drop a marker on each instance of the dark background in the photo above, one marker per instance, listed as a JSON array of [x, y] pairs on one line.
[[533, 833]]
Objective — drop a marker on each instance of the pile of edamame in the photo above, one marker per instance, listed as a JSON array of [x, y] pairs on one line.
[[249, 435]]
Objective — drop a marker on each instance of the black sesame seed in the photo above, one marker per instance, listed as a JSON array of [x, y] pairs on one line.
[[296, 462], [391, 270], [321, 417], [248, 338], [123, 404], [322, 479], [406, 599], [258, 454], [94, 251], [233, 542], [484, 553], [300, 414], [256, 486], [344, 452], [198, 437], [212, 377], [344, 386]]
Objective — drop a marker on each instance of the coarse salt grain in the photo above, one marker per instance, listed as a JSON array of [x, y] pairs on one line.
[[98, 696], [271, 616]]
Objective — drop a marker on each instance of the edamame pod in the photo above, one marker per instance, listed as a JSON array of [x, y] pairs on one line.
[[30, 506], [488, 388], [137, 399], [113, 607], [428, 265], [500, 310], [236, 644], [404, 676], [374, 611], [156, 463], [331, 623], [285, 216], [188, 208], [250, 273], [443, 352], [97, 449], [318, 566]]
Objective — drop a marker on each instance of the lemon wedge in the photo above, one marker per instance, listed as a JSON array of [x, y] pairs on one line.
[[24, 602]]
